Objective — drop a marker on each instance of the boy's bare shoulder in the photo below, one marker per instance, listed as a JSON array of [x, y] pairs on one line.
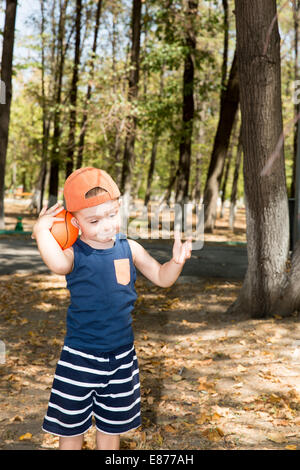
[[135, 248]]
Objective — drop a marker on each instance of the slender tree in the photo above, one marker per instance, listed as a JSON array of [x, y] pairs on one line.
[[73, 92], [227, 163], [155, 139], [234, 187], [183, 172], [38, 195], [6, 81], [133, 84], [228, 110], [84, 122], [57, 126]]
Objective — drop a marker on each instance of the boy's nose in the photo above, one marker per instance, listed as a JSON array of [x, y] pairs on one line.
[[107, 225]]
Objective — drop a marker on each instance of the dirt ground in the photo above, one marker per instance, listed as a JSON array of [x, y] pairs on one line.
[[208, 380]]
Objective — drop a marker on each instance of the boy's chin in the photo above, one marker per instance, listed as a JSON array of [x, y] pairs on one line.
[[107, 238]]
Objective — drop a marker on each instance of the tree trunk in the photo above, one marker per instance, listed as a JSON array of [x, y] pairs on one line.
[[296, 10], [157, 132], [6, 81], [235, 182], [183, 171], [37, 198], [228, 110], [128, 158], [152, 165], [73, 94], [227, 163], [258, 51], [84, 122], [55, 151]]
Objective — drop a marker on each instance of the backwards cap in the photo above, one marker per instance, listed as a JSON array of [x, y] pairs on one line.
[[81, 181]]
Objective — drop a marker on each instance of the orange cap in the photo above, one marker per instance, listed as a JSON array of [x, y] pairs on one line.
[[83, 180]]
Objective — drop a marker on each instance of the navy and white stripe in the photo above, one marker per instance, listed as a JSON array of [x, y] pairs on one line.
[[105, 386]]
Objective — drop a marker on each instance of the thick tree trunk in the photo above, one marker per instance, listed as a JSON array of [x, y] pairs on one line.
[[228, 110], [84, 122], [128, 158], [258, 51], [73, 94], [296, 10], [6, 81], [183, 171]]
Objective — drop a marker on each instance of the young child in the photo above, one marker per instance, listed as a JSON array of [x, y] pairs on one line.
[[97, 374]]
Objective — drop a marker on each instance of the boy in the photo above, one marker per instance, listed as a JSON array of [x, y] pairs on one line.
[[97, 374]]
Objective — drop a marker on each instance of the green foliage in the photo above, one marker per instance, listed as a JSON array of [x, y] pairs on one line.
[[159, 106]]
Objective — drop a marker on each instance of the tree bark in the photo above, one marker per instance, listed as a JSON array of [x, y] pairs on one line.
[[73, 94], [84, 122], [6, 81], [133, 82], [227, 164], [296, 10], [228, 110], [258, 51], [183, 171]]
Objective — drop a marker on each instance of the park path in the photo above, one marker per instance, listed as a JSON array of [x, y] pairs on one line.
[[19, 254]]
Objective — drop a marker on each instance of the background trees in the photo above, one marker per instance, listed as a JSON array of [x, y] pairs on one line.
[[150, 91], [6, 83]]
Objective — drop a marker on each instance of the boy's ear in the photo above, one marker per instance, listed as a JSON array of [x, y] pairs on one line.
[[75, 223]]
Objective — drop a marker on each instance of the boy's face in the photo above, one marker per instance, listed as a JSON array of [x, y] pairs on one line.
[[99, 223]]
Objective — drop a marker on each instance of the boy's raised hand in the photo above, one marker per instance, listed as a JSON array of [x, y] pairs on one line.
[[181, 251], [47, 218]]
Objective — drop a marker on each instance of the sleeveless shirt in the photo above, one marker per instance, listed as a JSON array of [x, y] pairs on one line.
[[102, 296]]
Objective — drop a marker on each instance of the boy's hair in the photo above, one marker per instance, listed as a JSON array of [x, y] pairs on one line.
[[97, 191]]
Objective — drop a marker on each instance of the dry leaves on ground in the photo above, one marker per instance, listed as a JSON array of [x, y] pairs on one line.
[[208, 381]]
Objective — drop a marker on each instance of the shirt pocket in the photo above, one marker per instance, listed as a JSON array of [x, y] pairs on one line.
[[122, 270]]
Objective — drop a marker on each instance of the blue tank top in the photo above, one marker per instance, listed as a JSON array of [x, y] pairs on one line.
[[102, 292]]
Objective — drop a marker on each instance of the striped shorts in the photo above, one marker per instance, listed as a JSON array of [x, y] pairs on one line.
[[105, 386]]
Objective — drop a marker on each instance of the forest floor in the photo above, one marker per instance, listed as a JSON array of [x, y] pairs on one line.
[[208, 380]]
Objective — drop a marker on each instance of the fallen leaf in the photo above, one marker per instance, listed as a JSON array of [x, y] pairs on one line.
[[291, 447], [213, 435], [169, 428], [276, 437], [203, 418], [176, 377], [25, 437], [132, 445], [17, 418], [215, 417]]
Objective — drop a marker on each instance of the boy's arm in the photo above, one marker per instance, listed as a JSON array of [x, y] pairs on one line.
[[57, 260], [163, 275]]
